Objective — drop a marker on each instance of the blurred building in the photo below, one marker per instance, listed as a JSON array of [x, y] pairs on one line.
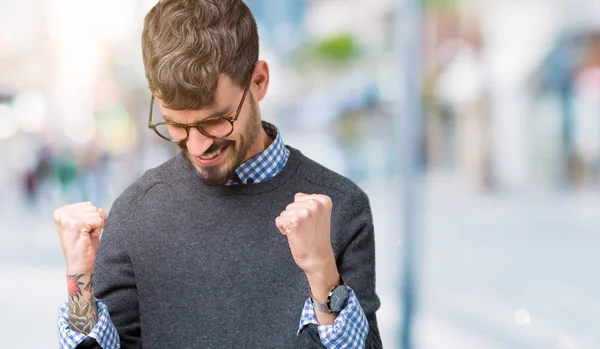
[[281, 23]]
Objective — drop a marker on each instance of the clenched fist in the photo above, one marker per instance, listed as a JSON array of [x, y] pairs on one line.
[[306, 223], [79, 227]]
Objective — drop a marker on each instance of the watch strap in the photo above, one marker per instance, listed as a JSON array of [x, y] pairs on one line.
[[324, 306]]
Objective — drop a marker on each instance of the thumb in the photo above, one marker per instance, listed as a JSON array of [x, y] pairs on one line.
[[95, 234], [103, 214], [280, 226], [299, 195]]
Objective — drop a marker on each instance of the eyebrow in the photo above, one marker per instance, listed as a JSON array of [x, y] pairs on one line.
[[222, 112]]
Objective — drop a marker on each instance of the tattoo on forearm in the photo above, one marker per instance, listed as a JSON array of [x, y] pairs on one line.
[[73, 285], [90, 285], [83, 314]]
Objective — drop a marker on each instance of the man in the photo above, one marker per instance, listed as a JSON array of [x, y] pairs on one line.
[[239, 241]]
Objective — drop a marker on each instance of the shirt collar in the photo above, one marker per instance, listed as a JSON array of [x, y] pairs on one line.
[[267, 164]]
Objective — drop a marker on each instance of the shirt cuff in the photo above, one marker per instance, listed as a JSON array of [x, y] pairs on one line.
[[104, 332], [349, 330]]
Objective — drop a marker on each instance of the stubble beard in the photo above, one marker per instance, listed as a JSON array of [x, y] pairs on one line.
[[236, 153]]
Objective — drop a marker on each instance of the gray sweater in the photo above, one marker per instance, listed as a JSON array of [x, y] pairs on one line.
[[185, 265]]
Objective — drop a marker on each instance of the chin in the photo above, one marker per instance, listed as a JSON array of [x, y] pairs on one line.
[[216, 175], [221, 173]]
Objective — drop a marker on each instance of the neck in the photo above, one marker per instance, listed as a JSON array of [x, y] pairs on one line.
[[262, 142]]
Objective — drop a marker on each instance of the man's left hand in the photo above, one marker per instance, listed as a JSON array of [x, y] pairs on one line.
[[306, 223]]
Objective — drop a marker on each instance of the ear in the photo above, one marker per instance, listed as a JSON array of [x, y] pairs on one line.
[[260, 81]]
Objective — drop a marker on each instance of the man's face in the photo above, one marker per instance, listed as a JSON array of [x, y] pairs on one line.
[[217, 159]]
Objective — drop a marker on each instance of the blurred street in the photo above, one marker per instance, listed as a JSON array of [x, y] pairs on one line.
[[542, 295]]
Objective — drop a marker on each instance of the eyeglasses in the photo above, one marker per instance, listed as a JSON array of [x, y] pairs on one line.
[[213, 127]]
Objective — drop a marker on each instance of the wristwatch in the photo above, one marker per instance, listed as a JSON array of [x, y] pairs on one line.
[[336, 300]]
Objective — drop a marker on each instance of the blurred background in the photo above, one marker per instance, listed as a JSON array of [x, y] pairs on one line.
[[505, 212]]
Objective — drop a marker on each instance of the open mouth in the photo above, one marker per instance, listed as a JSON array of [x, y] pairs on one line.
[[212, 157], [213, 154]]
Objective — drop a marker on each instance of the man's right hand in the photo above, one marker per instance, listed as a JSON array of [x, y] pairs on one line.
[[79, 227]]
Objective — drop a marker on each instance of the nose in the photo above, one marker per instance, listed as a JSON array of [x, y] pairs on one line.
[[197, 143]]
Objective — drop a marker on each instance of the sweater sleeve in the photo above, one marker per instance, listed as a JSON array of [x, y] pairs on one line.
[[354, 245]]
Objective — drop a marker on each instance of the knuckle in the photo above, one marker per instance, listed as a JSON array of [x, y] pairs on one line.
[[71, 224], [305, 212]]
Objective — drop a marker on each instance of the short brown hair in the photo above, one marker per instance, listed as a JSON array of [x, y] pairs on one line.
[[187, 44]]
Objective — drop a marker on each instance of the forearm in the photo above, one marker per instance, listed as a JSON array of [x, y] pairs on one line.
[[356, 325], [83, 312]]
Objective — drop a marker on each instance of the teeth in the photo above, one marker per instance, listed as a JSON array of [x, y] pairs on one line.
[[212, 155]]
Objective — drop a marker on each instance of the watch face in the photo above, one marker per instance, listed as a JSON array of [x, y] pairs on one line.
[[338, 299]]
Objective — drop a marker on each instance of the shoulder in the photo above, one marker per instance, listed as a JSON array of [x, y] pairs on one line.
[[164, 175], [327, 180]]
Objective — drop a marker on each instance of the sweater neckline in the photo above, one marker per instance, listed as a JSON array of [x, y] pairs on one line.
[[188, 175]]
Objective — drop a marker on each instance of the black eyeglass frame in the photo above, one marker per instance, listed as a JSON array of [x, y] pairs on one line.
[[198, 125]]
